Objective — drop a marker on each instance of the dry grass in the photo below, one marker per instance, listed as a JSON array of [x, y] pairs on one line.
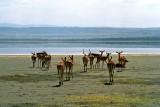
[[22, 85]]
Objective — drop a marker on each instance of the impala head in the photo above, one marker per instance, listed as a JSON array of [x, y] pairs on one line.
[[45, 53], [108, 54], [71, 57], [33, 53], [119, 52], [101, 51], [64, 60]]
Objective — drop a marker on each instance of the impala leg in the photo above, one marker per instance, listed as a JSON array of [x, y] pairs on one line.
[[97, 65], [38, 63], [69, 74], [59, 77], [86, 67], [102, 64], [72, 72], [110, 77], [33, 64], [66, 74], [62, 77], [91, 64]]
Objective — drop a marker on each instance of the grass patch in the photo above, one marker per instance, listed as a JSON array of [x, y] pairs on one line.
[[112, 100], [128, 81], [27, 78]]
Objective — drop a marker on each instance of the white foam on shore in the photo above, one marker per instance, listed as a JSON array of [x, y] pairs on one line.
[[79, 51]]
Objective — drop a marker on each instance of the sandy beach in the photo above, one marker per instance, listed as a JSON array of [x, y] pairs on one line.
[[137, 85]]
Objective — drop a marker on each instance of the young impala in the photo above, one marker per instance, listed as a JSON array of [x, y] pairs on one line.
[[69, 66], [111, 68], [98, 57], [46, 61], [41, 56], [121, 59], [104, 59], [91, 59], [34, 57], [85, 59], [60, 69]]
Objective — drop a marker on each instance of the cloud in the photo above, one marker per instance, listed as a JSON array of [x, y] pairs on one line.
[[116, 13]]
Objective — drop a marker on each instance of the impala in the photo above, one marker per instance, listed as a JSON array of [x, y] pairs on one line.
[[97, 56], [121, 59], [69, 66], [85, 59], [41, 56], [91, 59], [46, 61], [104, 59], [34, 57], [60, 69], [111, 68]]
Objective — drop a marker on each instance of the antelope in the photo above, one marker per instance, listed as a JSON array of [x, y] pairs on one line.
[[85, 59], [111, 68], [41, 56], [123, 65], [60, 69], [97, 56], [46, 61], [121, 59], [98, 59], [69, 66], [104, 59], [91, 59], [34, 57], [94, 54]]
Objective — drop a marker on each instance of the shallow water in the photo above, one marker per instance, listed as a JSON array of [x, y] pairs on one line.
[[72, 40]]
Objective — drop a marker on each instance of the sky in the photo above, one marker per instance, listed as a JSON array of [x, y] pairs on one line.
[[83, 13]]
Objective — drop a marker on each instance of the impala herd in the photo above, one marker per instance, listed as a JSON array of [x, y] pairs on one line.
[[44, 61]]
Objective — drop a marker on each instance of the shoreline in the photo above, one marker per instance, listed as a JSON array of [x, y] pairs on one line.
[[126, 54], [77, 50]]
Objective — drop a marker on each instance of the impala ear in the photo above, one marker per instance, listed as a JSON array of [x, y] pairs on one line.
[[33, 53], [116, 52], [121, 51]]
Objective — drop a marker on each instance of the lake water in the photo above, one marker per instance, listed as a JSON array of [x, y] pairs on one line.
[[72, 40]]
